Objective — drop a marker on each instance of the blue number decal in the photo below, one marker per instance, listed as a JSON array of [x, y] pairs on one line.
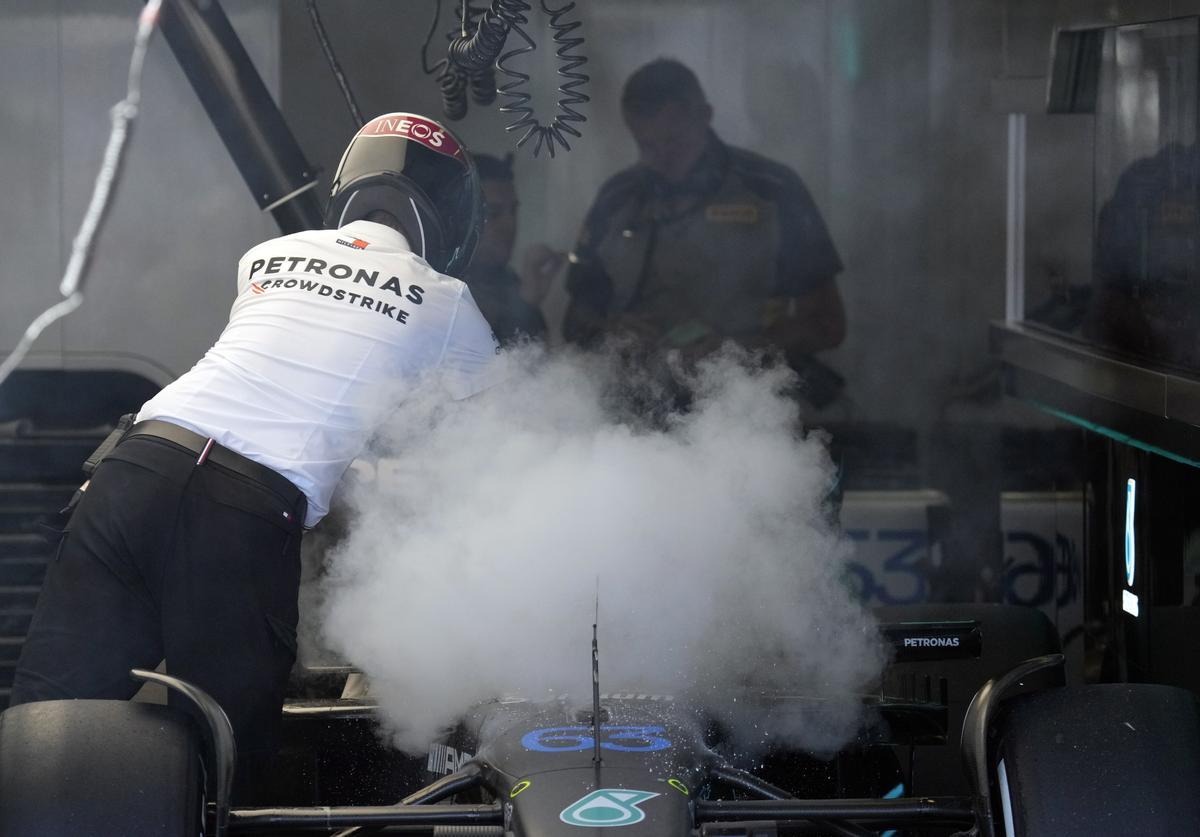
[[859, 581], [629, 739], [911, 560], [637, 739], [1067, 566], [858, 578], [557, 740], [1040, 569]]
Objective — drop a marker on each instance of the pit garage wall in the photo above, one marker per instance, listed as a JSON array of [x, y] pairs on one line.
[[162, 279]]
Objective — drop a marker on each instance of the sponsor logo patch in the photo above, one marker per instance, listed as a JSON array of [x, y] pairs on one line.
[[446, 760], [413, 127], [356, 243], [731, 213], [256, 288], [931, 642], [606, 808], [1178, 213]]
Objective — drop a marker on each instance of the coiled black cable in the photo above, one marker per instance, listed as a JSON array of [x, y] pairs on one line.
[[479, 50], [483, 86], [482, 81], [453, 83], [452, 80], [570, 94]]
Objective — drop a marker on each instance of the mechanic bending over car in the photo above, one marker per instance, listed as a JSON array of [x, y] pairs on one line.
[[185, 543]]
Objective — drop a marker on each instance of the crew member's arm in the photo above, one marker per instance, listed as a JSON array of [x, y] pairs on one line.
[[539, 267], [585, 319], [589, 289], [809, 322], [807, 314], [471, 361], [588, 284]]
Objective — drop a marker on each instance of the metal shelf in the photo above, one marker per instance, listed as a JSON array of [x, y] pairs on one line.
[[1152, 409]]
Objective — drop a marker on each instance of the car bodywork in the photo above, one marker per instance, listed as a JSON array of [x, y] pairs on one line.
[[1018, 755]]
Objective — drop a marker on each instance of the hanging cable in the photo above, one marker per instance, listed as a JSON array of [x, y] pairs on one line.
[[481, 49], [483, 86], [123, 116], [334, 66], [425, 68], [453, 83], [452, 80], [570, 96], [482, 81]]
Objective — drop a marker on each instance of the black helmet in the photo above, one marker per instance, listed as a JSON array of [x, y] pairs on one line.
[[419, 172]]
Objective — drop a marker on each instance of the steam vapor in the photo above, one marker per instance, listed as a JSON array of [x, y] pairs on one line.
[[471, 565]]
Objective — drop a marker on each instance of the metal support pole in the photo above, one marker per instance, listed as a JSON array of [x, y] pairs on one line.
[[243, 112]]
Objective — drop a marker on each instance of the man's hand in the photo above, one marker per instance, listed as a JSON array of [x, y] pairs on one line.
[[539, 266], [694, 352], [634, 327], [810, 323]]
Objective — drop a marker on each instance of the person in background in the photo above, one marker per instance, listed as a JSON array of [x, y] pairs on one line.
[[1146, 282], [700, 242], [185, 543], [508, 301]]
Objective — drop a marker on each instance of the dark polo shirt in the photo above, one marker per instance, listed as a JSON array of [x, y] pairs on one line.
[[707, 255]]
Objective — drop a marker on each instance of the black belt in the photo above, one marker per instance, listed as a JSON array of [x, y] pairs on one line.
[[207, 450]]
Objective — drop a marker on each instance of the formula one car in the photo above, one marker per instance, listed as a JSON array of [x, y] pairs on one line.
[[1016, 753]]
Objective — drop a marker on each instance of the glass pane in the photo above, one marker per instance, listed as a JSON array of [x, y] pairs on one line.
[[1059, 222], [1146, 276], [1112, 245]]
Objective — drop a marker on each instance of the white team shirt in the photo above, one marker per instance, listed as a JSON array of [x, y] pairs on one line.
[[329, 327]]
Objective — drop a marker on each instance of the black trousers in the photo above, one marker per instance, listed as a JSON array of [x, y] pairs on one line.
[[164, 558]]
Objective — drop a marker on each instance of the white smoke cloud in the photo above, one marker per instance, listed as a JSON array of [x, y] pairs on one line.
[[472, 570]]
